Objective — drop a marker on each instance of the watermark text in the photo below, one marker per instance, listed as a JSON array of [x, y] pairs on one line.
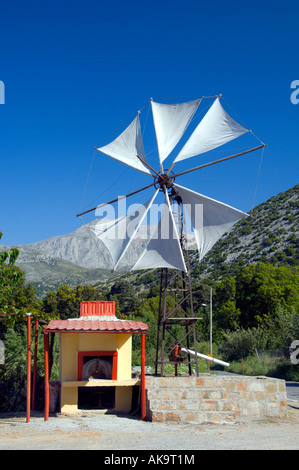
[[295, 94], [294, 350], [2, 93], [149, 221], [2, 353]]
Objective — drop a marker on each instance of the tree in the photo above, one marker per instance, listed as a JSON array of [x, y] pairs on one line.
[[9, 277], [13, 372], [262, 288], [147, 313], [15, 297], [242, 343], [283, 329], [124, 292], [227, 315], [65, 303]]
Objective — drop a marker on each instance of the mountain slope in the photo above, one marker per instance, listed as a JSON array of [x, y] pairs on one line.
[[50, 273], [270, 234], [75, 258]]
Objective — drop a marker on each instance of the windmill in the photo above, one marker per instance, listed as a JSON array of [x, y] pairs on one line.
[[166, 247]]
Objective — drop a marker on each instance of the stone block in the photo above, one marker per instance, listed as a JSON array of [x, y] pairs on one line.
[[230, 385], [166, 394], [192, 394], [273, 410], [173, 417], [271, 388], [208, 405], [215, 418], [282, 403], [200, 382], [164, 382], [256, 386], [246, 395], [281, 386], [259, 396], [254, 408], [230, 418], [191, 417], [283, 410], [210, 382], [158, 417], [242, 386]]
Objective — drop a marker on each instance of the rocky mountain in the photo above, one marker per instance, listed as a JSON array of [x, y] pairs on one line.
[[269, 234], [76, 258]]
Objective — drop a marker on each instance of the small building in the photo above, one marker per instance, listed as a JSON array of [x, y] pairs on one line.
[[96, 360]]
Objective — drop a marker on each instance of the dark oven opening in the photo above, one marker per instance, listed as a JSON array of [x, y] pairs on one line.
[[95, 365], [96, 398]]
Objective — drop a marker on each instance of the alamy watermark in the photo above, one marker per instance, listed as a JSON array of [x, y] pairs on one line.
[[2, 353], [2, 93], [148, 221], [295, 94], [294, 350]]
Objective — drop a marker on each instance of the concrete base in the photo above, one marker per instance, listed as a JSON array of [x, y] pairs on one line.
[[214, 399]]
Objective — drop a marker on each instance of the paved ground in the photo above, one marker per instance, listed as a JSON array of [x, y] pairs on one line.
[[110, 433], [292, 392]]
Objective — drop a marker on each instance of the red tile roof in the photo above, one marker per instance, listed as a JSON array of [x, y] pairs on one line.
[[96, 325]]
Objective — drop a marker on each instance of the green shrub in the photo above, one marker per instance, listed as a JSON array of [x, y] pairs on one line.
[[242, 343], [266, 366]]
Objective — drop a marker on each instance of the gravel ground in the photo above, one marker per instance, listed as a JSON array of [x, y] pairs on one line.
[[108, 432]]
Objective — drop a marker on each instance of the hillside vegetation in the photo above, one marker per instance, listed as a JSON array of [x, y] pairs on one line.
[[254, 276], [269, 235]]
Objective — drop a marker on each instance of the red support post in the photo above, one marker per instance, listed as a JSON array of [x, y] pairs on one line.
[[28, 366], [142, 379], [34, 365], [46, 356]]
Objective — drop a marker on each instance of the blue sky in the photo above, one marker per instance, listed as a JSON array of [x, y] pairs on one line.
[[75, 71]]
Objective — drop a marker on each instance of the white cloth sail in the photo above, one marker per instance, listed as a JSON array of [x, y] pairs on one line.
[[171, 121], [127, 146], [164, 249], [215, 129], [210, 218], [120, 232]]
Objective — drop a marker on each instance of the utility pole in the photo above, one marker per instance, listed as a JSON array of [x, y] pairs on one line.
[[211, 321], [28, 366]]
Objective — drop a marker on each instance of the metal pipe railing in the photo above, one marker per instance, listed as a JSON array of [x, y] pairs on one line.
[[207, 358]]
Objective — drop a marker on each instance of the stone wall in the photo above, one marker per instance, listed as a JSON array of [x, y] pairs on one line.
[[214, 398]]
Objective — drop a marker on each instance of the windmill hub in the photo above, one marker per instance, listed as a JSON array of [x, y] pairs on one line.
[[165, 180]]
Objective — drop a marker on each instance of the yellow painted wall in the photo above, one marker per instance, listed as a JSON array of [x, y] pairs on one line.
[[97, 342], [123, 399], [69, 344], [69, 400], [124, 366]]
